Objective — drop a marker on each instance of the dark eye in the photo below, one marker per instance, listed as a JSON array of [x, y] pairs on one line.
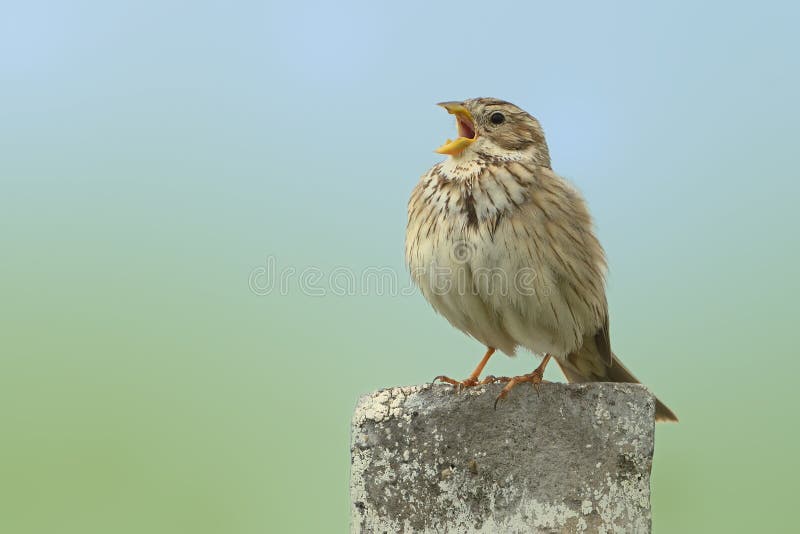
[[497, 118]]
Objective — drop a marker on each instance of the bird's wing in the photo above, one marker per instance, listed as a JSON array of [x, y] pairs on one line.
[[557, 229]]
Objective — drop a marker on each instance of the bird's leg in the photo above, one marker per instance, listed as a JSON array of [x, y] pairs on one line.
[[473, 378], [535, 378]]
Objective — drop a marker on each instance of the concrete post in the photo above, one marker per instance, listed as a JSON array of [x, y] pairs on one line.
[[573, 458]]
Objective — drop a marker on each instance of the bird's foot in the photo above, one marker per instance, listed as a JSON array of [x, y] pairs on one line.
[[466, 383], [535, 378], [473, 378]]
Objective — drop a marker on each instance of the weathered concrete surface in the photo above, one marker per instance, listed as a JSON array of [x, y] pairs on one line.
[[575, 458]]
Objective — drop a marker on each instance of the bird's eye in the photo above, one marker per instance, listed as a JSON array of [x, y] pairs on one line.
[[497, 118]]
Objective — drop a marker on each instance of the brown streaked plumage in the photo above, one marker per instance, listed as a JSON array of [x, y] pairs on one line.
[[503, 247]]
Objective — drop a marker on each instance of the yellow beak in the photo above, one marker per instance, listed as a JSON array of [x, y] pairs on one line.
[[466, 129]]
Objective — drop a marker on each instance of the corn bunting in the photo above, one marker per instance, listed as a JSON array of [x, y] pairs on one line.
[[503, 247]]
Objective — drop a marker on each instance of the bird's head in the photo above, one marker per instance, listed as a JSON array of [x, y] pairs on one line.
[[492, 127]]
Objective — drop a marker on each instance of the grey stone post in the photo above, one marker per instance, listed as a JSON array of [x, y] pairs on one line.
[[572, 458]]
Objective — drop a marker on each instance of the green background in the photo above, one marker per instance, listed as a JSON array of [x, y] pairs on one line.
[[153, 155]]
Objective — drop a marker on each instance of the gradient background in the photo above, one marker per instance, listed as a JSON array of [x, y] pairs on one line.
[[153, 154]]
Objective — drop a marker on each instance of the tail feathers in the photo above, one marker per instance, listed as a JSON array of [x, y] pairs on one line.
[[616, 372]]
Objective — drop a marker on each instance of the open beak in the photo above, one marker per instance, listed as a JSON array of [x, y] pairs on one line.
[[466, 129]]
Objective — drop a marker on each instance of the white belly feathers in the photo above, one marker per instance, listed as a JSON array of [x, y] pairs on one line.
[[479, 266]]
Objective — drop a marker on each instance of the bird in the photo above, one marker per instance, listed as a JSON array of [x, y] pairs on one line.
[[505, 249]]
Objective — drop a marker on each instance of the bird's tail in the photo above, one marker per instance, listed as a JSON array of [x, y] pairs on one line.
[[575, 368]]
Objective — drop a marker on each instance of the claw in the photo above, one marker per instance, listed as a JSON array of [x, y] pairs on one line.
[[445, 379], [502, 395], [458, 385], [535, 378]]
